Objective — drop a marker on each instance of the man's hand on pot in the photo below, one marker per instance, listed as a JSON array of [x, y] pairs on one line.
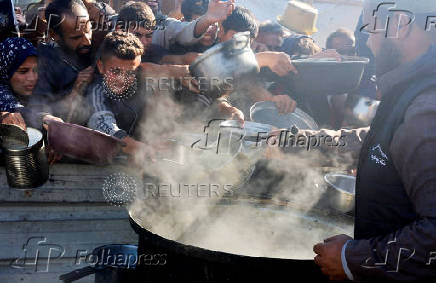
[[279, 62], [328, 257], [284, 103], [328, 53], [237, 115], [47, 118]]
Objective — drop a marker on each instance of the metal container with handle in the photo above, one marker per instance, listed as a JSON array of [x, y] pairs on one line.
[[341, 191], [223, 65], [25, 163]]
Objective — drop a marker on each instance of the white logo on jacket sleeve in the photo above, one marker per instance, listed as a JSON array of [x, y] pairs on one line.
[[378, 156]]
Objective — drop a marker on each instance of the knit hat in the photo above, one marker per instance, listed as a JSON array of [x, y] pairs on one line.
[[13, 52]]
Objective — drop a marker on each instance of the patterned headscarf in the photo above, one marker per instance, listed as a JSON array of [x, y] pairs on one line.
[[13, 52]]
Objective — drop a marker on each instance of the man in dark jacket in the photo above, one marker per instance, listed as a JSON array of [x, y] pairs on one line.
[[395, 223], [64, 64]]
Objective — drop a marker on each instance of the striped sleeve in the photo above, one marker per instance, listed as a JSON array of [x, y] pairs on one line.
[[102, 119]]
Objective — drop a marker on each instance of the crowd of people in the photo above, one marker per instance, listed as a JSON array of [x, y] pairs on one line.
[[74, 69], [89, 64]]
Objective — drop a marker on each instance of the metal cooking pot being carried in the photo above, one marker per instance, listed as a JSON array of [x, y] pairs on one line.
[[221, 66], [326, 76]]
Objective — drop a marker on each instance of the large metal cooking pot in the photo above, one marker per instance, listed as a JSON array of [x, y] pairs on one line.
[[221, 66], [232, 240], [360, 110], [341, 191]]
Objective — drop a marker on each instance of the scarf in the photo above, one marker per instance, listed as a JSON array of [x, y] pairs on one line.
[[13, 52]]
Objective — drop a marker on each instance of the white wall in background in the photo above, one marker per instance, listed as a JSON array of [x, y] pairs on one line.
[[333, 14]]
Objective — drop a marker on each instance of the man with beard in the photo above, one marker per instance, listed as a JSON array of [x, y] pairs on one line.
[[64, 63], [395, 218]]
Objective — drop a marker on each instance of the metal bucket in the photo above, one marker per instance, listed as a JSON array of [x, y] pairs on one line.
[[26, 165], [341, 191]]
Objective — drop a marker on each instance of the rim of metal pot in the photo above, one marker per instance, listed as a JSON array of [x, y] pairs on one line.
[[217, 49], [336, 187], [345, 60], [220, 256], [26, 150]]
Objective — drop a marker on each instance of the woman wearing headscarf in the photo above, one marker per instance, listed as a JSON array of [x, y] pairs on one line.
[[18, 76]]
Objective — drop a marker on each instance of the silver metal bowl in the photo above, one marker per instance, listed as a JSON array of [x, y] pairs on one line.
[[341, 191]]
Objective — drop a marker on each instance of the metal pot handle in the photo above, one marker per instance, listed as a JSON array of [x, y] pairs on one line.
[[77, 274], [237, 45]]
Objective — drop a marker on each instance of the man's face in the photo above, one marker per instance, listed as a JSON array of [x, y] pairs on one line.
[[144, 35], [344, 45], [119, 74], [225, 36], [386, 52], [76, 33], [273, 40]]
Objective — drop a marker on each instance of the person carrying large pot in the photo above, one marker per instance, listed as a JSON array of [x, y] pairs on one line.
[[395, 211], [245, 92]]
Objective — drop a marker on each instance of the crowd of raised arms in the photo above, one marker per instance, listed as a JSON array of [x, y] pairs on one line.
[[83, 62]]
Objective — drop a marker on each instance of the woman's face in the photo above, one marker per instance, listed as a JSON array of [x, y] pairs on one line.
[[24, 79]]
